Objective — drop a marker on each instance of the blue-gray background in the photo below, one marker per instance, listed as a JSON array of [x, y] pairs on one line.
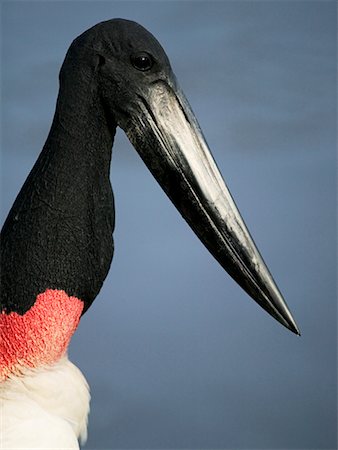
[[176, 354]]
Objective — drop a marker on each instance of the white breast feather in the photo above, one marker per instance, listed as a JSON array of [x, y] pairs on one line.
[[47, 408]]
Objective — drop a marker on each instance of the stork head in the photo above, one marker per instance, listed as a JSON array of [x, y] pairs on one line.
[[140, 93]]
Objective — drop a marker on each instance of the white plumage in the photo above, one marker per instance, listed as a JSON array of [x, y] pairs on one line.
[[45, 409]]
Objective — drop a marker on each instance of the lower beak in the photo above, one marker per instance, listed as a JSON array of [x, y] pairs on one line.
[[167, 136]]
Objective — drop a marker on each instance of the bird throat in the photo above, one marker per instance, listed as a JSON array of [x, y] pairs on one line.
[[39, 337]]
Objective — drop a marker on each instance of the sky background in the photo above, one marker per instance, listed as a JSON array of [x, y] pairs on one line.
[[176, 354]]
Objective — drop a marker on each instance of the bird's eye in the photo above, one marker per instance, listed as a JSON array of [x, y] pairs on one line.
[[142, 61]]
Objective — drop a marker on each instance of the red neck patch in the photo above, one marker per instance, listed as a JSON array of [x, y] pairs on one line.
[[39, 337]]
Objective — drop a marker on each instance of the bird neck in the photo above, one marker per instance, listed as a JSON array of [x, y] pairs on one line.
[[56, 244], [81, 134], [58, 234]]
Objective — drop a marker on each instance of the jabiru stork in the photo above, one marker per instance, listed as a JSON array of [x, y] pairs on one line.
[[57, 241]]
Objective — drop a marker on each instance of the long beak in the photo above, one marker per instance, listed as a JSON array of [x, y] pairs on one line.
[[167, 136]]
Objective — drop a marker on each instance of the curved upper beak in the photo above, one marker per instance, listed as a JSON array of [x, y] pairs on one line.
[[165, 132]]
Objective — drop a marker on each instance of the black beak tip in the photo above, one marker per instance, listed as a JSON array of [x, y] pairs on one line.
[[295, 329], [292, 326]]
